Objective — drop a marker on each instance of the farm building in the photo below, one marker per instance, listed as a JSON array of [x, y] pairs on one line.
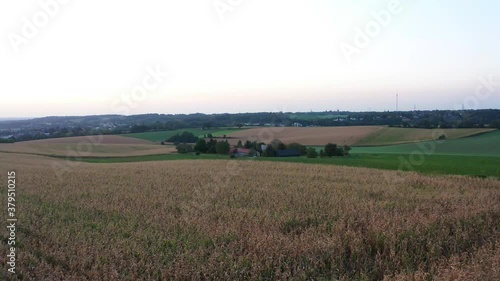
[[240, 152], [287, 153]]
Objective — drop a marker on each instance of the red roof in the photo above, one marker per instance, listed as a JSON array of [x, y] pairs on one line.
[[239, 150]]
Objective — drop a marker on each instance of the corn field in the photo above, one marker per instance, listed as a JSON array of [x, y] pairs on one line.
[[249, 220]]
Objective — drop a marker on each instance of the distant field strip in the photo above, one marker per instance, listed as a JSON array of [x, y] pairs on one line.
[[92, 146], [487, 144], [308, 135], [103, 139], [388, 135], [163, 135]]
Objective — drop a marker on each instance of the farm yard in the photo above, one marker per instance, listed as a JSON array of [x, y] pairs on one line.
[[216, 219]]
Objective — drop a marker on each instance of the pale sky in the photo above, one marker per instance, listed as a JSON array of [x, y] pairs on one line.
[[76, 57]]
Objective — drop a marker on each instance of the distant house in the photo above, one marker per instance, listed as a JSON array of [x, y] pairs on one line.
[[287, 153], [263, 147], [296, 124], [240, 152]]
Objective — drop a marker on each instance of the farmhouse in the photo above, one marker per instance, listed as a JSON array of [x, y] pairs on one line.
[[287, 153], [240, 152]]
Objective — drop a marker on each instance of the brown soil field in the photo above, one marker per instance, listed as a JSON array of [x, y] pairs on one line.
[[248, 220], [91, 146], [307, 136], [102, 139]]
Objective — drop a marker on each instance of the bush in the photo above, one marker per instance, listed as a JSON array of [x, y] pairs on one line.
[[185, 137], [330, 149], [11, 140], [201, 146], [322, 154], [299, 147], [184, 148], [269, 152], [276, 144], [311, 152], [222, 147], [346, 150]]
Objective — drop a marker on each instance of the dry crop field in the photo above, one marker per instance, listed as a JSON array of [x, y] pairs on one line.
[[388, 135], [91, 146], [350, 135], [229, 220], [307, 136]]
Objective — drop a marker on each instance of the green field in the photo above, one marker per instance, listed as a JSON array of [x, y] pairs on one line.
[[431, 164], [477, 155], [391, 135], [487, 144], [163, 135]]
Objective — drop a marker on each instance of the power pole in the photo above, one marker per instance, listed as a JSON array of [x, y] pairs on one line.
[[397, 102]]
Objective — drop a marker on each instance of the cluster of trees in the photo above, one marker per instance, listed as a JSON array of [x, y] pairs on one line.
[[276, 145], [184, 144], [185, 137], [330, 150], [9, 140], [187, 142]]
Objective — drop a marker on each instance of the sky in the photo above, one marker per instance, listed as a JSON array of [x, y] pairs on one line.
[[77, 57]]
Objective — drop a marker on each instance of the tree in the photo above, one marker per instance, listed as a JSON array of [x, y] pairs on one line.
[[346, 149], [298, 146], [277, 144], [495, 124], [211, 146], [222, 147], [184, 148], [269, 152], [201, 146], [239, 144], [185, 137], [321, 153], [330, 149], [311, 152], [249, 144]]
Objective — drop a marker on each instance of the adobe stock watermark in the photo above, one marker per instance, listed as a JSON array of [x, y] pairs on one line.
[[74, 155], [222, 7], [151, 81], [364, 36], [416, 158], [84, 148], [30, 28], [486, 87]]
